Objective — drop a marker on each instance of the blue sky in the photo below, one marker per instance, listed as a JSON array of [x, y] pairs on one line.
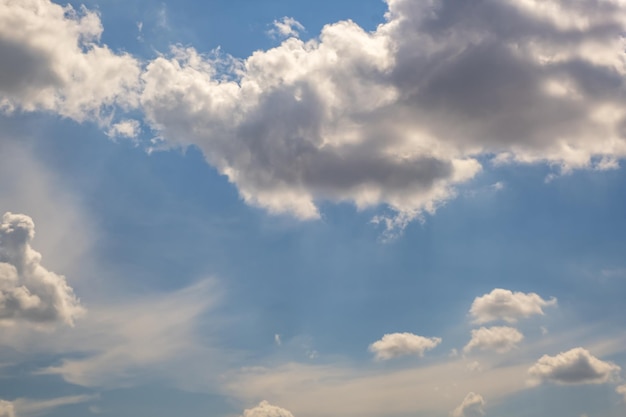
[[311, 209]]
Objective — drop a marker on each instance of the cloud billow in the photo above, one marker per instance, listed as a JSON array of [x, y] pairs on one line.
[[28, 291], [576, 366]]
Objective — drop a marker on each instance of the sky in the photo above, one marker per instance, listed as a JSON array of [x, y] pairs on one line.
[[284, 208]]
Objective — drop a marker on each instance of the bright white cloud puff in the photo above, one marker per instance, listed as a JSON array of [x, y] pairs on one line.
[[472, 406], [622, 391], [576, 366], [265, 409], [28, 291], [508, 306], [52, 61], [499, 338], [402, 344]]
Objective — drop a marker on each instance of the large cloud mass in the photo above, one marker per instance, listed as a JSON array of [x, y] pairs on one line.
[[51, 60], [401, 344], [28, 291], [576, 366], [399, 115], [509, 306]]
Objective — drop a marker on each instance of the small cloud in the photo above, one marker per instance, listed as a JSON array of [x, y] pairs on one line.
[[622, 391], [402, 344], [498, 186], [544, 330], [265, 409], [576, 366], [28, 291], [128, 128], [472, 406], [499, 338], [277, 340], [509, 306], [454, 353], [287, 27]]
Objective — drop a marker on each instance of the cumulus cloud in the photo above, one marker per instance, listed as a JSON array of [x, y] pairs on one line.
[[401, 344], [509, 306], [499, 338], [286, 27], [265, 409], [126, 129], [52, 61], [472, 406], [576, 366], [28, 291], [399, 115], [621, 390]]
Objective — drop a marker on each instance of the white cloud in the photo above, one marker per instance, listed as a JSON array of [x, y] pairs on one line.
[[278, 340], [621, 390], [286, 27], [52, 61], [28, 291], [576, 366], [472, 406], [398, 116], [126, 129], [265, 409], [401, 344], [499, 338], [509, 306]]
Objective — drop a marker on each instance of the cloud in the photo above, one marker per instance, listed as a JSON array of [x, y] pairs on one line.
[[25, 407], [265, 409], [509, 306], [52, 61], [576, 366], [401, 344], [126, 128], [499, 338], [28, 291], [472, 406], [118, 344], [286, 27], [399, 116], [6, 409], [621, 390]]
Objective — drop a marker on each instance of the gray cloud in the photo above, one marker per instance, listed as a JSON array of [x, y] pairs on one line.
[[576, 366], [28, 291], [397, 116]]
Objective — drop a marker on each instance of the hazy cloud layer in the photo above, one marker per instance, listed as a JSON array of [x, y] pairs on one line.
[[576, 366], [52, 61], [265, 409], [500, 339], [402, 344], [28, 291], [472, 406], [508, 306]]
